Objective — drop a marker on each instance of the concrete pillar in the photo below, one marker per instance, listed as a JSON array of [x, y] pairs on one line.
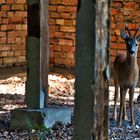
[[36, 97]]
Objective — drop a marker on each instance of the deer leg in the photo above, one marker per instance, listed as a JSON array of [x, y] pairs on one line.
[[131, 96], [122, 105], [115, 102], [124, 109]]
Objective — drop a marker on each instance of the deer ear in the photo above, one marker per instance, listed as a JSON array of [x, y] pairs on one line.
[[138, 38], [123, 34]]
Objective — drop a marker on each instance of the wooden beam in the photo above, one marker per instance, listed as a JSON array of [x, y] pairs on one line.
[[44, 43], [85, 61], [92, 70]]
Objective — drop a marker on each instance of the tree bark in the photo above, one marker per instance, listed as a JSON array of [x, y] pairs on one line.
[[92, 70], [44, 43]]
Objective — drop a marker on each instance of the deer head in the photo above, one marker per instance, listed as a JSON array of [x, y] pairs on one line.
[[132, 42]]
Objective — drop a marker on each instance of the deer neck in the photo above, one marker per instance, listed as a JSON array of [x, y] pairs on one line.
[[132, 59]]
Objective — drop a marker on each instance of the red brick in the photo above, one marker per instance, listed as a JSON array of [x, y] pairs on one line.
[[2, 40], [117, 32], [20, 1], [10, 14], [5, 7], [58, 48], [20, 53], [24, 27], [10, 60], [59, 34], [2, 34], [16, 20], [73, 15], [17, 7], [68, 22], [4, 54], [2, 1], [70, 35], [10, 1], [51, 59], [5, 47], [3, 27], [113, 52], [52, 21], [2, 13], [67, 48], [58, 61], [24, 20], [113, 39], [71, 9], [113, 26], [69, 2], [65, 42], [13, 33], [52, 8], [10, 27], [54, 15], [5, 20], [60, 21], [67, 28], [68, 63], [11, 40], [117, 46], [18, 27], [55, 2], [52, 41], [53, 28], [57, 54], [65, 15], [74, 22], [131, 5], [21, 14], [115, 12], [21, 59], [61, 8], [18, 40], [117, 4], [132, 26], [70, 55]]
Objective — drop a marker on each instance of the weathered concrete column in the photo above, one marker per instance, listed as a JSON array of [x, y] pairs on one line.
[[36, 96], [37, 54]]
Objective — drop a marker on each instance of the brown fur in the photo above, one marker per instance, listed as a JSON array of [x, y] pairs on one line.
[[126, 75]]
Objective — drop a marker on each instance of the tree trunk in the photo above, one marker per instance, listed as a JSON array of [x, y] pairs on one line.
[[92, 70]]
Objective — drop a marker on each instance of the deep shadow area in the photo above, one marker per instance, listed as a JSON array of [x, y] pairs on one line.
[[11, 71]]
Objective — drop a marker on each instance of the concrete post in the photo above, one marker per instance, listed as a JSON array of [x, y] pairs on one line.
[[36, 97]]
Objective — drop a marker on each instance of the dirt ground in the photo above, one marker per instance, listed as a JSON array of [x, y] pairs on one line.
[[61, 91]]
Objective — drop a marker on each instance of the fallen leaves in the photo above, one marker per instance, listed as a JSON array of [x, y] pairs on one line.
[[61, 92]]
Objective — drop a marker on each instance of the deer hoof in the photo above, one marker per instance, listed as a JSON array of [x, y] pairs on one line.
[[119, 124], [132, 123], [114, 117], [125, 118]]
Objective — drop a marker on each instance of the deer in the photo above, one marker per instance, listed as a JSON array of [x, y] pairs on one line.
[[126, 74]]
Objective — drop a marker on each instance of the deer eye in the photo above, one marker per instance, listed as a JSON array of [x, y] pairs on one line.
[[129, 43]]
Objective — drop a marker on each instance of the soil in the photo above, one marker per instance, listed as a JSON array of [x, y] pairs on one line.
[[61, 92]]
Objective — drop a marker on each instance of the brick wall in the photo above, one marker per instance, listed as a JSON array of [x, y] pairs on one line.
[[123, 11], [13, 28], [62, 14]]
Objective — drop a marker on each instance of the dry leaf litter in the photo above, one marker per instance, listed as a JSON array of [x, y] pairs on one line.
[[61, 92]]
